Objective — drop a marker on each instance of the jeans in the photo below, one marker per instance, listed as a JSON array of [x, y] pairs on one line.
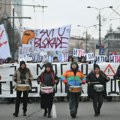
[[73, 102], [97, 102], [18, 99]]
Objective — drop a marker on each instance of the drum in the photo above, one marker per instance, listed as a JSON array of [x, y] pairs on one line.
[[46, 90], [22, 87], [75, 89], [98, 88]]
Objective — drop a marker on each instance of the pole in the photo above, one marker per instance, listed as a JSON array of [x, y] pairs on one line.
[[108, 47], [5, 6], [5, 22], [13, 33], [26, 5], [99, 33], [86, 40]]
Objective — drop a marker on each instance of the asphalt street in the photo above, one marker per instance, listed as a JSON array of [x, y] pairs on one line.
[[110, 111]]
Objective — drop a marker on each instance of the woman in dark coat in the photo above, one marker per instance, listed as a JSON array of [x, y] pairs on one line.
[[97, 76], [47, 78], [117, 76]]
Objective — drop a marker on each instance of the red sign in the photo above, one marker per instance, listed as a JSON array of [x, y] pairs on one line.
[[109, 70]]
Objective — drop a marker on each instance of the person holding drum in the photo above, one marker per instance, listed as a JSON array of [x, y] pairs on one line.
[[97, 87], [47, 81], [74, 79], [23, 79]]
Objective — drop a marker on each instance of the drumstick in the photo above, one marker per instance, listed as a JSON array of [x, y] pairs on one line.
[[93, 82], [43, 85], [104, 75]]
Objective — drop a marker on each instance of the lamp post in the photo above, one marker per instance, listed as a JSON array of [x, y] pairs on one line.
[[99, 11], [86, 27]]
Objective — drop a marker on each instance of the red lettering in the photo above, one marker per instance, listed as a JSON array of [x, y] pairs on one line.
[[1, 34]]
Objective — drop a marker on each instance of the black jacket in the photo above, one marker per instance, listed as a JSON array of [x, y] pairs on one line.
[[117, 74], [92, 78]]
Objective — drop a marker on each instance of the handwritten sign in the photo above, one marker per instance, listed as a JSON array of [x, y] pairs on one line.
[[4, 45], [78, 52], [48, 39]]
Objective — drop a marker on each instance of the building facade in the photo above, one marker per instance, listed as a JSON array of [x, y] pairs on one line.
[[88, 45], [112, 42]]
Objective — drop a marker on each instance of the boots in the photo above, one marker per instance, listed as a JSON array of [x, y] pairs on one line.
[[15, 114], [24, 114], [49, 113], [73, 115], [45, 112]]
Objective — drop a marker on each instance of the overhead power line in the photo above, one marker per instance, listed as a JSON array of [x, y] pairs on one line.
[[26, 5]]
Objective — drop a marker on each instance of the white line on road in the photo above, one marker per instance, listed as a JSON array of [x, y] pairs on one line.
[[54, 111]]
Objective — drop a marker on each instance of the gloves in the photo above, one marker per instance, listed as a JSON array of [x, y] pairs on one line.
[[83, 81], [65, 81]]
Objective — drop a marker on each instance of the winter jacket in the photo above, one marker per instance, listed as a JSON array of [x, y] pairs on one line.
[[71, 79], [48, 79], [102, 79], [23, 76]]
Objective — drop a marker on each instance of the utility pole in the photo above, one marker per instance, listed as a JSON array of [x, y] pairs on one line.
[[86, 40], [13, 32], [13, 17], [99, 10], [13, 52], [99, 33]]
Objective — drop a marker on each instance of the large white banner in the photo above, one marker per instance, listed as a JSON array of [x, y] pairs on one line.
[[7, 70], [48, 39], [4, 45]]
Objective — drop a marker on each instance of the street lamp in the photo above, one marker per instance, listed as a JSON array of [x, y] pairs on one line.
[[99, 10], [114, 10], [86, 27]]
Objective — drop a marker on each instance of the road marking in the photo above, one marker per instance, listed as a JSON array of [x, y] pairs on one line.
[[54, 111]]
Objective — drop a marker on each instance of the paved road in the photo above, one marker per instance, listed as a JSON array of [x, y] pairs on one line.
[[110, 111]]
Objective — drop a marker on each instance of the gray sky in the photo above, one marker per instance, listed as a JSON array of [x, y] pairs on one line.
[[73, 12]]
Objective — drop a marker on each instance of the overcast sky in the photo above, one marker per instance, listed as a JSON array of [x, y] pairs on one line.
[[73, 12]]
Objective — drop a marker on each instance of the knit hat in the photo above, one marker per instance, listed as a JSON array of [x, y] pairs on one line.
[[77, 67], [48, 65], [74, 63], [22, 62], [96, 66]]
